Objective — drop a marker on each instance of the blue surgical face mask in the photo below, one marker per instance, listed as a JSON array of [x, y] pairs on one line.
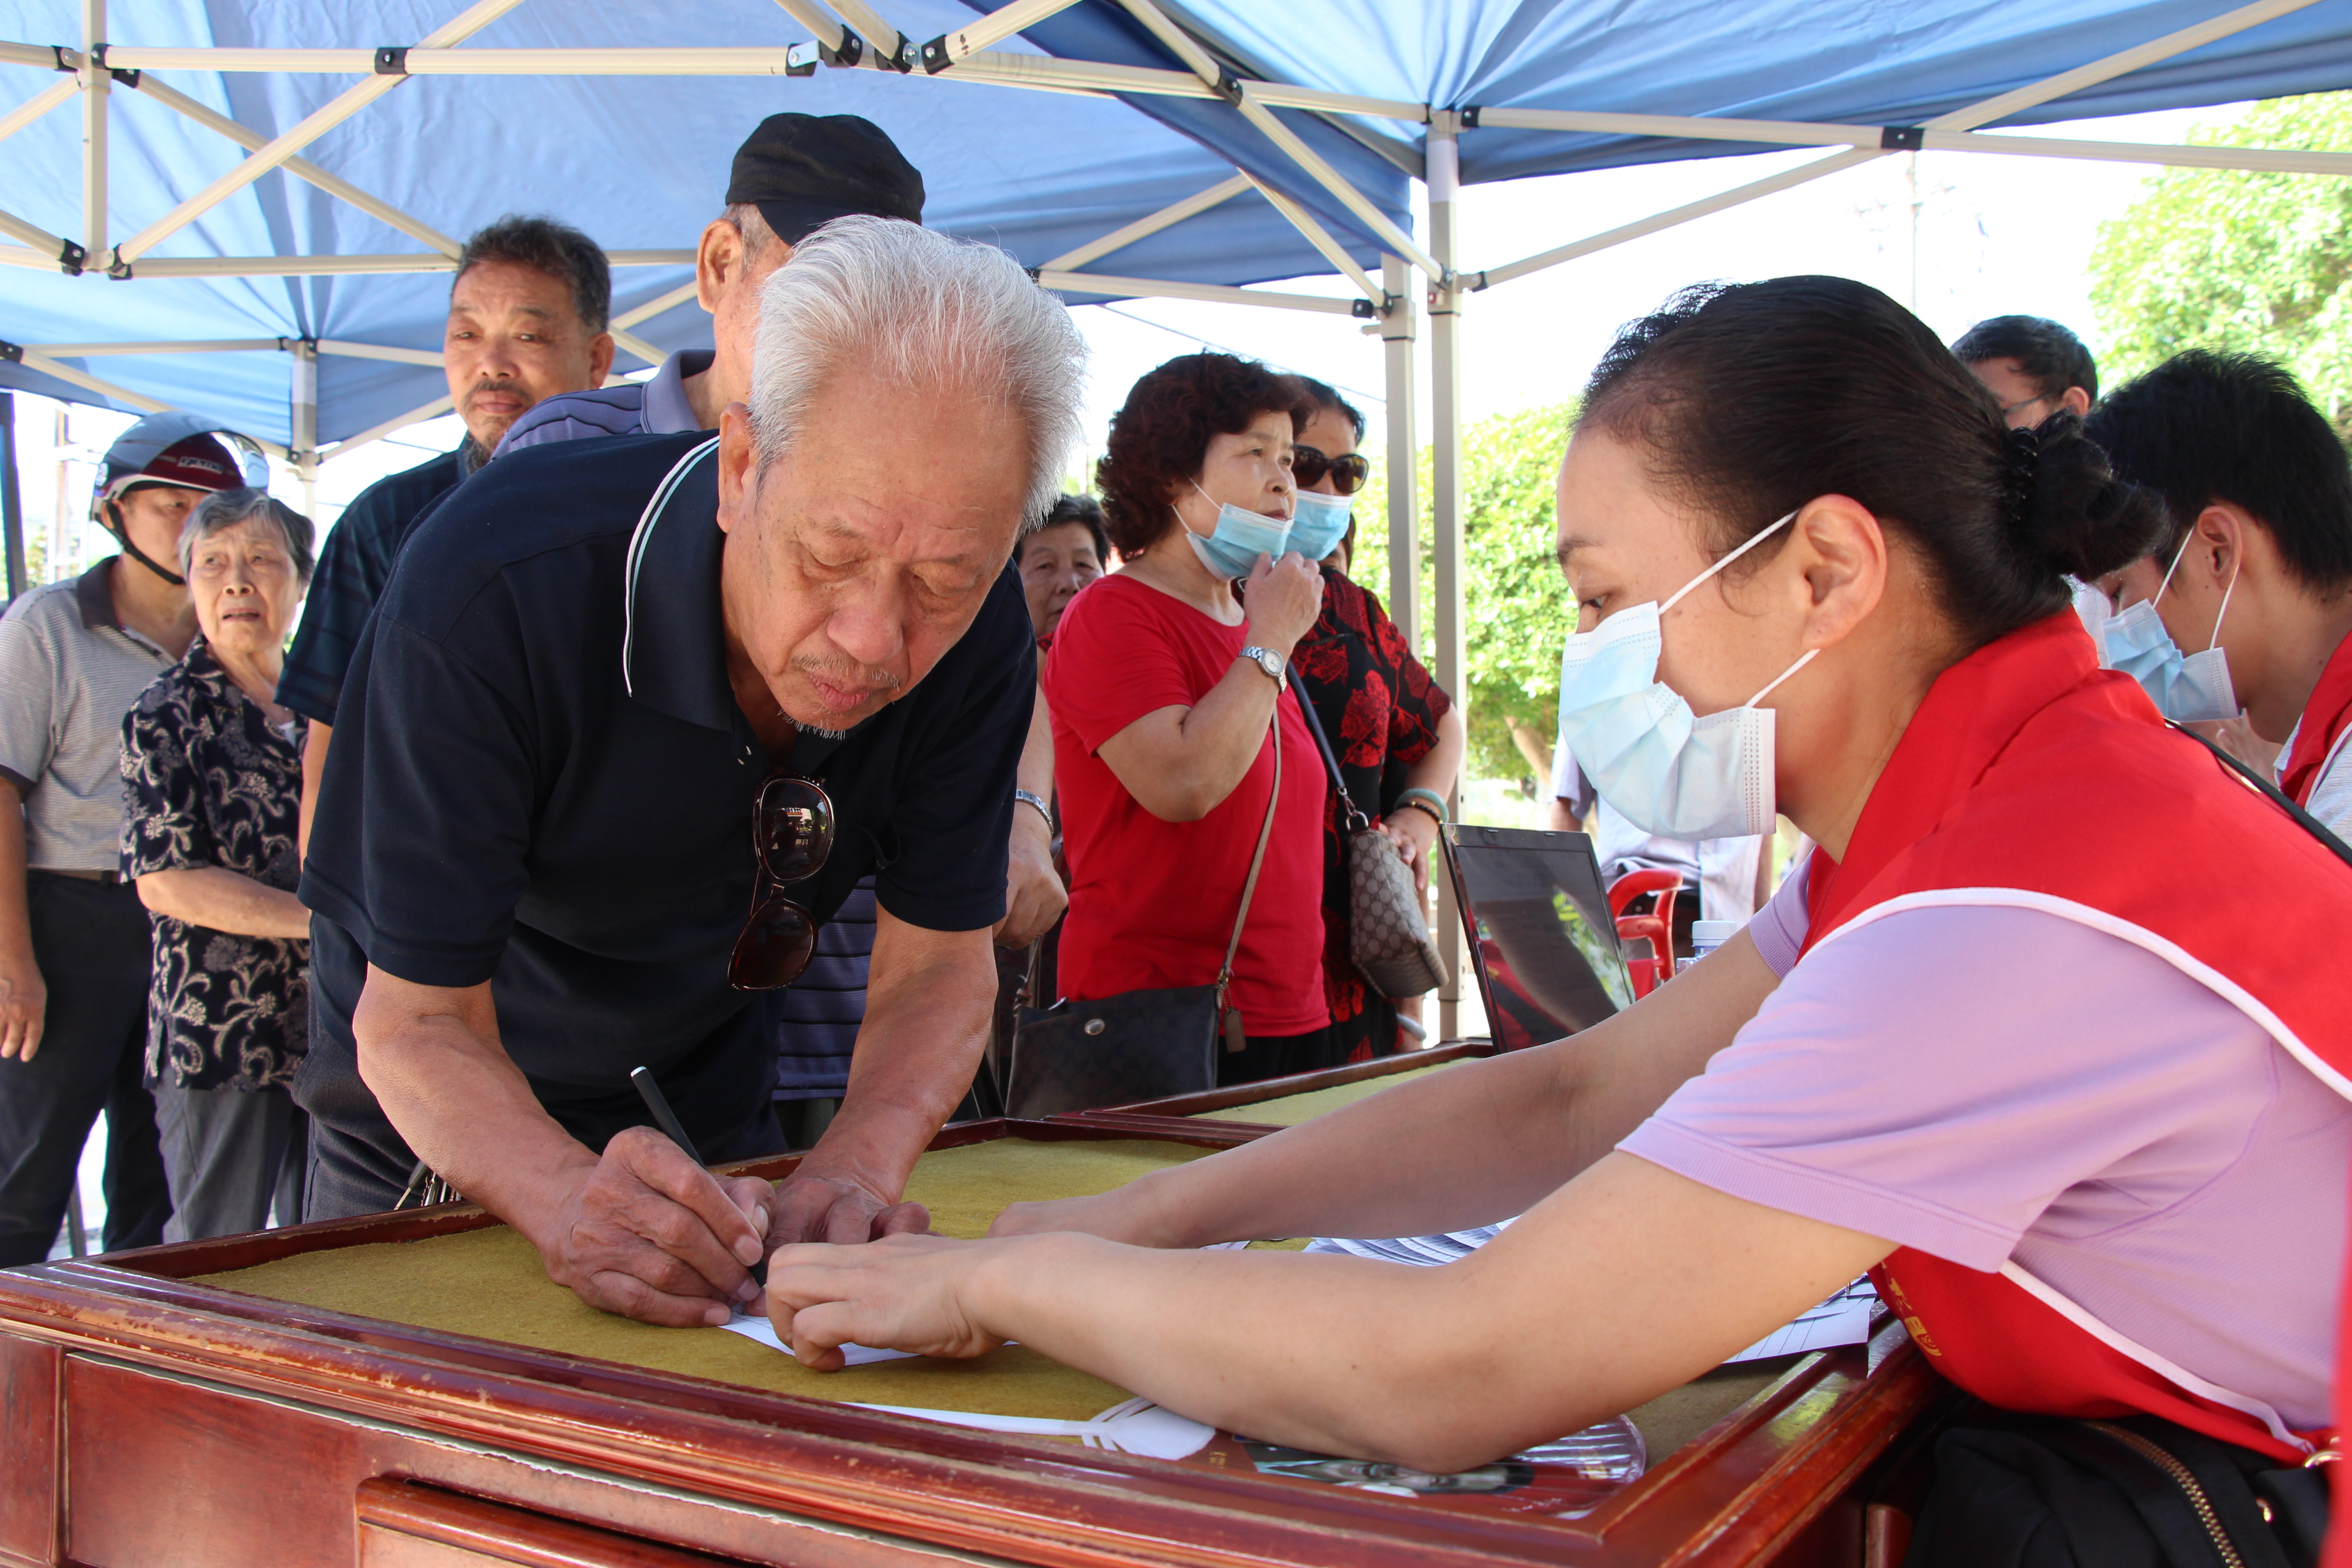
[[1241, 537], [1321, 524], [2185, 688], [1665, 769]]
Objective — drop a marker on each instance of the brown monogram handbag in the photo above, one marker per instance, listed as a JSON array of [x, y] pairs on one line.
[[1138, 1045], [1388, 934]]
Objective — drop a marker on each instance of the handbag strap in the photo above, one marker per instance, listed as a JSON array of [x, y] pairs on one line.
[[1258, 859], [1357, 820]]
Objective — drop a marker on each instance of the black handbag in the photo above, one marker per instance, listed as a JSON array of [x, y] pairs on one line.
[[1388, 929], [2039, 1492], [1138, 1045]]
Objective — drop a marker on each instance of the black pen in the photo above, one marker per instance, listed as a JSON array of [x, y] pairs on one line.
[[666, 1120]]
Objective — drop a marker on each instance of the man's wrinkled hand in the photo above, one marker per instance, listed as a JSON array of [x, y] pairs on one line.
[[904, 1292], [821, 1207], [23, 1007], [1034, 895], [650, 1235]]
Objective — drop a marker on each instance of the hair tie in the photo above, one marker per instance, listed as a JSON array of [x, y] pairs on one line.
[[2022, 463]]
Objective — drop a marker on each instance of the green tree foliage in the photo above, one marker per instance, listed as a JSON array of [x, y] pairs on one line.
[[1516, 605], [2224, 259]]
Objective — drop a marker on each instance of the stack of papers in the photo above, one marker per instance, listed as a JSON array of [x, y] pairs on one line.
[[1447, 1247]]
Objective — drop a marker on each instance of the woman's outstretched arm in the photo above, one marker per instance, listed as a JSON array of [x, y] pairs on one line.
[[1627, 1282], [1469, 1145]]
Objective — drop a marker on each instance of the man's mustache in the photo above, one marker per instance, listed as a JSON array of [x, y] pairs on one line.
[[502, 385], [848, 674]]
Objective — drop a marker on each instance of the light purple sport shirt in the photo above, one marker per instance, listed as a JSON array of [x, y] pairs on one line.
[[1989, 1084]]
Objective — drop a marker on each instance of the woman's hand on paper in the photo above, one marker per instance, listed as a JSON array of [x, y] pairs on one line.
[[905, 1292], [1127, 1213]]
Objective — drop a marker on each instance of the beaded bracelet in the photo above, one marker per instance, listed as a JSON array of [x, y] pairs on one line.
[[1427, 800]]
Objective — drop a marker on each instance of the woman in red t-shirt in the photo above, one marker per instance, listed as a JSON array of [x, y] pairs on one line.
[[1164, 689]]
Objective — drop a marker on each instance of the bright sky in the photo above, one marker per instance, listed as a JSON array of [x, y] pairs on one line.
[[1996, 235]]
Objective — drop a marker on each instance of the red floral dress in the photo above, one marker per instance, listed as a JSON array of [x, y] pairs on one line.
[[1380, 708]]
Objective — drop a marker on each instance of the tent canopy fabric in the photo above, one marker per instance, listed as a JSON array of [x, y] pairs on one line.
[[639, 161]]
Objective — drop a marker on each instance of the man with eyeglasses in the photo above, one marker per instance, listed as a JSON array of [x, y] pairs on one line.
[[620, 693], [2036, 367]]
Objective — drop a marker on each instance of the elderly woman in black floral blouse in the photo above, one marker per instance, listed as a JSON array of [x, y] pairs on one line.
[[212, 778]]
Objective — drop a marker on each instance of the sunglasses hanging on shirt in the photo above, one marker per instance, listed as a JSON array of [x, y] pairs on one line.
[[1349, 472], [792, 833]]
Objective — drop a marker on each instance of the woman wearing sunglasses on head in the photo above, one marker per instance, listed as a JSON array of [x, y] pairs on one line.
[[2076, 1103], [1395, 733]]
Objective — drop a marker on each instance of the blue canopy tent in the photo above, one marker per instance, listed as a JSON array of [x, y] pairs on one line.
[[1120, 148]]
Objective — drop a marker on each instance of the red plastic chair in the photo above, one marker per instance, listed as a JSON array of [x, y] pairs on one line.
[[1657, 927]]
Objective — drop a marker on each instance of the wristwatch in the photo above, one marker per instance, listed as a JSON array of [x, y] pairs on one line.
[[1266, 659]]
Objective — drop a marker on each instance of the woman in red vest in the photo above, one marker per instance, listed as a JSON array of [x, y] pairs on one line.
[[2004, 1040]]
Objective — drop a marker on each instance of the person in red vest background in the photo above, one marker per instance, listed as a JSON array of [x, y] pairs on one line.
[[2258, 554], [2078, 1105]]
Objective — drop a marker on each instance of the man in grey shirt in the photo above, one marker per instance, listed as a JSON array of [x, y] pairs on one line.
[[74, 657]]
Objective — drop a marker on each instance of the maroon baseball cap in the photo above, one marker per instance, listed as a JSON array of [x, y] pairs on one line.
[[175, 449]]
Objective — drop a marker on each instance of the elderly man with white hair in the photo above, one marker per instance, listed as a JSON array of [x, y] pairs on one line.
[[620, 694]]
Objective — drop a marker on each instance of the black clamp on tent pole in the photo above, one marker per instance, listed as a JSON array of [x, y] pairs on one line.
[[70, 257], [901, 58], [846, 58], [1365, 310], [935, 55], [1229, 86], [392, 60], [1902, 137], [1470, 118], [11, 353], [97, 58]]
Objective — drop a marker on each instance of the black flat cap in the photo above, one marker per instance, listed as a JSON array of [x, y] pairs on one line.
[[804, 170]]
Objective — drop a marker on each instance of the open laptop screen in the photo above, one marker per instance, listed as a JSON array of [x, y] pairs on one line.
[[1537, 920]]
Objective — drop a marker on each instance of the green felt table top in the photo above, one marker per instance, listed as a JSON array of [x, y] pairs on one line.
[[1293, 1108]]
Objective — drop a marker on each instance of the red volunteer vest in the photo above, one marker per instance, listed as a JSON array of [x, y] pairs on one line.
[[2030, 778], [2324, 719]]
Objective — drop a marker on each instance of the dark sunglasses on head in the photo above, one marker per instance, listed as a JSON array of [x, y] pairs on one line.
[[792, 833], [1307, 466]]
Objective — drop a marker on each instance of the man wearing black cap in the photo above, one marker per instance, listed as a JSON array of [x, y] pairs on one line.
[[796, 173], [74, 657]]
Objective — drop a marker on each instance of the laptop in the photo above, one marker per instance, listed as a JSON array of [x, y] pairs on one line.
[[1536, 913]]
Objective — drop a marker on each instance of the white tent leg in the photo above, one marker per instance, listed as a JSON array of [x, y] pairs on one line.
[[94, 83], [1446, 508], [1398, 330], [305, 423]]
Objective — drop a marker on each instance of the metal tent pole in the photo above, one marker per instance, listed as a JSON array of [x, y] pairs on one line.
[[12, 502], [94, 82], [1398, 330], [1445, 503], [305, 423]]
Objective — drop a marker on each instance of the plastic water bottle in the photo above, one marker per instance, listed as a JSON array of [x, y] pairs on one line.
[[1705, 937]]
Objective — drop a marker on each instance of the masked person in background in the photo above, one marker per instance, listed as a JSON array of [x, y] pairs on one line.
[[1397, 735], [74, 960], [2246, 601], [2037, 1087], [1164, 685]]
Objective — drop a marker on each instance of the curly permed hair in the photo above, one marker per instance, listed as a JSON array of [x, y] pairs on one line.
[[1160, 438]]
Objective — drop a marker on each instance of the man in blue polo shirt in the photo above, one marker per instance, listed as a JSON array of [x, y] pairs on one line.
[[536, 852]]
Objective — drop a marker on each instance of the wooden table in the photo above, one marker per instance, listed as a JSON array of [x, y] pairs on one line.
[[148, 1420]]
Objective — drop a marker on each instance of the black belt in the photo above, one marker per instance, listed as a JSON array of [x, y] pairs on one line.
[[109, 878]]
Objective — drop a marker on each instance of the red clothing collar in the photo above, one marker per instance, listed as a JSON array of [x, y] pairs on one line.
[[2323, 720], [1968, 719]]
